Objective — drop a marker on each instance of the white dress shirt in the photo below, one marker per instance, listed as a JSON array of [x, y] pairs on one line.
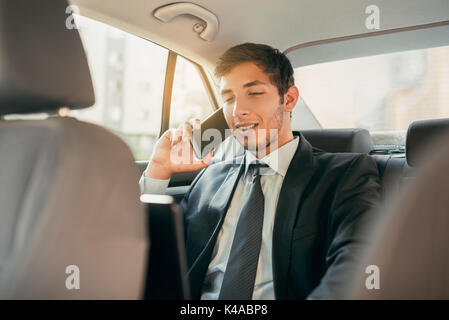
[[271, 180]]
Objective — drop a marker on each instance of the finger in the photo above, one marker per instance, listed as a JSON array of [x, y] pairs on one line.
[[205, 161], [196, 123], [167, 134], [180, 154], [198, 165], [176, 135], [196, 132], [186, 130]]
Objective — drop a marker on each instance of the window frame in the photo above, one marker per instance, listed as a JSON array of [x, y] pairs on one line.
[[170, 70], [168, 88]]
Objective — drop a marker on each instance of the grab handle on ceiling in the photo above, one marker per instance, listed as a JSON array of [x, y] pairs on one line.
[[207, 31]]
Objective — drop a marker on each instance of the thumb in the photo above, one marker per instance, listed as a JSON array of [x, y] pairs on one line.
[[208, 158], [205, 161]]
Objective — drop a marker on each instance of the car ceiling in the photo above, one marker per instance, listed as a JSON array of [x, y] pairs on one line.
[[284, 24]]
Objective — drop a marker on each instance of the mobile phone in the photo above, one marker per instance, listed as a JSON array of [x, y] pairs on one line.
[[211, 134]]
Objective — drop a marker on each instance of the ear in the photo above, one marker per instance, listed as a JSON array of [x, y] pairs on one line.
[[291, 98]]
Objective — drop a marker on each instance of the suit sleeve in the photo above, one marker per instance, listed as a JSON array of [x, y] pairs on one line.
[[352, 212], [184, 202]]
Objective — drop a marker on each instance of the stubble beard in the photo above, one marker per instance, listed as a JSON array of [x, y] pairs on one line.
[[270, 140]]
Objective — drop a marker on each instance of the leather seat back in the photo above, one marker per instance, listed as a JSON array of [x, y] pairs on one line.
[[395, 172], [410, 242], [353, 140], [69, 199]]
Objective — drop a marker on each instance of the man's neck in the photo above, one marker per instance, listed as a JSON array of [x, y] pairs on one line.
[[273, 146]]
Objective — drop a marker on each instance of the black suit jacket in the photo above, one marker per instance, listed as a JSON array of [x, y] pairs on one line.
[[323, 205]]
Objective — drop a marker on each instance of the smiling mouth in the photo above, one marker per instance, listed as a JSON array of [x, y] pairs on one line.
[[244, 129]]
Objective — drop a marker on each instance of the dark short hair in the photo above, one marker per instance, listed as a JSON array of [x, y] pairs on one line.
[[270, 60]]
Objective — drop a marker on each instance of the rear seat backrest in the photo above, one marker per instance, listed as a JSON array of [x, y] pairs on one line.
[[354, 140], [330, 140], [420, 135], [395, 171]]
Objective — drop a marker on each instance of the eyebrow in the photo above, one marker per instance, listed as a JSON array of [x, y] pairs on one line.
[[246, 85], [253, 83]]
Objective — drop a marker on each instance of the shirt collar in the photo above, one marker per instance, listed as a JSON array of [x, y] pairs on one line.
[[278, 160]]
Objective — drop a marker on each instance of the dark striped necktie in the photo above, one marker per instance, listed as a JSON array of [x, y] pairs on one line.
[[240, 274]]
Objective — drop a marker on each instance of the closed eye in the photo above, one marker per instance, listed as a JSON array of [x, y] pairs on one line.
[[256, 93]]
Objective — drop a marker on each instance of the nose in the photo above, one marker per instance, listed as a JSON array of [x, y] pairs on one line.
[[240, 108]]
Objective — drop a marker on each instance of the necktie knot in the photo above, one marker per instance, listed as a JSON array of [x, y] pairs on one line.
[[257, 169]]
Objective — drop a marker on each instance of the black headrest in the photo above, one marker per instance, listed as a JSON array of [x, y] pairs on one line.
[[420, 134], [42, 63], [339, 140]]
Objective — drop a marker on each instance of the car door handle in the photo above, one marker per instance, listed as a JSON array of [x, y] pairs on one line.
[[168, 12]]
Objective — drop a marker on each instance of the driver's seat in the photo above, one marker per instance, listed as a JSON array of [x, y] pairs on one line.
[[71, 224]]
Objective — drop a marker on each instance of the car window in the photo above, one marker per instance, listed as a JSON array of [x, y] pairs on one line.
[[382, 93], [128, 73], [189, 96]]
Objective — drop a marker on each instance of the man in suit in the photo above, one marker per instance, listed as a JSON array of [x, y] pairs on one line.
[[290, 230]]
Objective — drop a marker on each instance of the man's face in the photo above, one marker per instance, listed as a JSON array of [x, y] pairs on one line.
[[252, 107]]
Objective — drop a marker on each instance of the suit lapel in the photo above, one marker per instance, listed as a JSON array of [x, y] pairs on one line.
[[219, 203], [211, 222], [299, 173]]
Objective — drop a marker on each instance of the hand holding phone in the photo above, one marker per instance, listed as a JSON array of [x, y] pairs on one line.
[[173, 153], [210, 134]]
